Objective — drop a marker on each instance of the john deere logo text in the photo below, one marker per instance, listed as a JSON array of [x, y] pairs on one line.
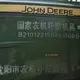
[[47, 10]]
